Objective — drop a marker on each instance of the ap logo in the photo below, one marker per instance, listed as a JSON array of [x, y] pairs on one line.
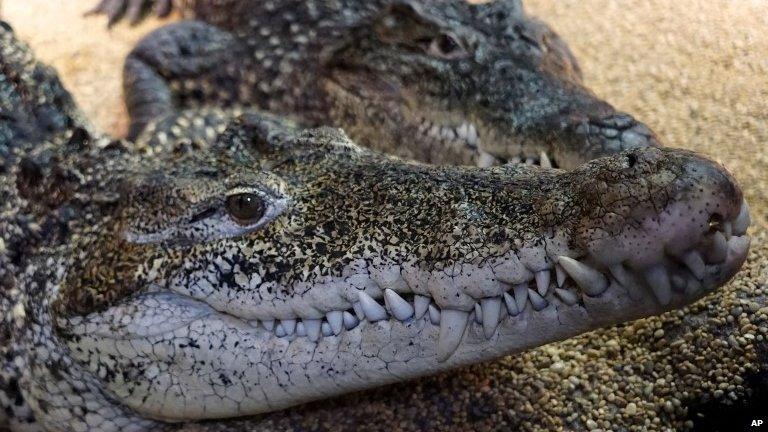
[[757, 423]]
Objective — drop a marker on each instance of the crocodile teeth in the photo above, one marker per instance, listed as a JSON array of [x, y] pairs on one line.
[[478, 313], [268, 324], [537, 301], [491, 307], [590, 280], [397, 305], [728, 230], [279, 331], [472, 136], [559, 275], [313, 329], [350, 321], [521, 296], [627, 281], [434, 315], [695, 263], [566, 296], [742, 221], [544, 160], [693, 287], [530, 161], [658, 278], [358, 308], [335, 320], [718, 250], [289, 325], [300, 329], [486, 160], [371, 308], [542, 282], [420, 305], [452, 325], [326, 329], [511, 304], [515, 159]]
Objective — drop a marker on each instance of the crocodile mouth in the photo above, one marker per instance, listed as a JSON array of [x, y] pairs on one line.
[[465, 135], [565, 282], [450, 132], [674, 280]]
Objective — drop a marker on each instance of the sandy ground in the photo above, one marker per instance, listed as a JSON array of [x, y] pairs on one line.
[[695, 71]]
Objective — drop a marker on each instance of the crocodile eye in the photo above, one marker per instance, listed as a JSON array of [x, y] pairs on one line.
[[245, 207], [447, 46]]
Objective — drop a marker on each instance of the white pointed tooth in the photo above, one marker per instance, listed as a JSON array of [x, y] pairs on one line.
[[537, 301], [300, 329], [350, 321], [313, 329], [289, 325], [478, 313], [326, 329], [521, 296], [371, 308], [678, 282], [472, 134], [452, 325], [420, 306], [358, 308], [491, 307], [629, 282], [545, 162], [397, 305], [568, 297], [695, 263], [515, 159], [268, 324], [280, 331], [434, 131], [434, 314], [590, 280], [511, 304], [692, 287], [741, 224], [658, 279], [728, 230], [560, 275], [529, 161], [542, 282], [335, 320], [718, 249], [486, 160], [462, 130]]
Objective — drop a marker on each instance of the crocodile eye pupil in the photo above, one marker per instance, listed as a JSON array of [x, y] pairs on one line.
[[245, 207], [447, 44]]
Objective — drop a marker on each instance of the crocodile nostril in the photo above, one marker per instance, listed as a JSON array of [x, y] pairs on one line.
[[715, 222]]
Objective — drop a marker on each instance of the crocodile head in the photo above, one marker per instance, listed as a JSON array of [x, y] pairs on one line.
[[302, 266], [473, 83]]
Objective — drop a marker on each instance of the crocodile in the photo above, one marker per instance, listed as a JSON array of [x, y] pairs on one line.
[[442, 82], [145, 286]]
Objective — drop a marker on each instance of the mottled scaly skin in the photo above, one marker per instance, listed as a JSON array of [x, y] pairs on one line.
[[443, 82], [137, 293]]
